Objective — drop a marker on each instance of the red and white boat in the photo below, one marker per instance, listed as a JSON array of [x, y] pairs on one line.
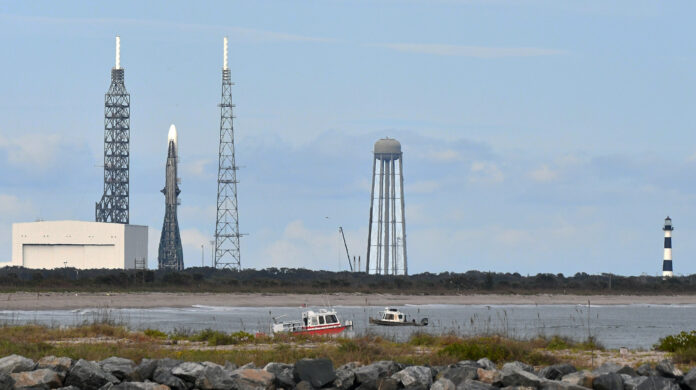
[[316, 323]]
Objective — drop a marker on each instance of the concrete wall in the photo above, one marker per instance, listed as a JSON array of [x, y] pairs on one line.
[[78, 244], [136, 244]]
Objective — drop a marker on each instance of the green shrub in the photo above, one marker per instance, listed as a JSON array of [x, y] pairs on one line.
[[364, 348], [155, 334], [242, 337], [557, 343], [674, 343], [181, 334], [422, 338], [497, 349], [478, 348], [685, 356], [215, 337], [590, 344]]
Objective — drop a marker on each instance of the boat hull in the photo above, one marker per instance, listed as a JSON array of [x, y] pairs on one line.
[[322, 331], [377, 321]]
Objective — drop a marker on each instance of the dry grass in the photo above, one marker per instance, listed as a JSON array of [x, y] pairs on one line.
[[99, 341]]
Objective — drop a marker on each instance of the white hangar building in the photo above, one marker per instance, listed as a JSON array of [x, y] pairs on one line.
[[78, 244]]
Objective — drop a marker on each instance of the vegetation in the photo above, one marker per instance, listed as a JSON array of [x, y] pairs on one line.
[[676, 342], [283, 280], [558, 343], [498, 350], [682, 345], [215, 337], [155, 334], [99, 341]]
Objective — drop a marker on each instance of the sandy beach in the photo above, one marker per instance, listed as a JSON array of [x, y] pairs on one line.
[[48, 301]]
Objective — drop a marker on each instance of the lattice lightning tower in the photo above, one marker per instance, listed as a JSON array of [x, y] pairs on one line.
[[227, 235], [113, 206]]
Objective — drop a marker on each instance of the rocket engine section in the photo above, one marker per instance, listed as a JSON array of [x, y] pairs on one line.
[[171, 256]]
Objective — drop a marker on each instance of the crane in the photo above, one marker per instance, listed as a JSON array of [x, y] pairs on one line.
[[340, 229]]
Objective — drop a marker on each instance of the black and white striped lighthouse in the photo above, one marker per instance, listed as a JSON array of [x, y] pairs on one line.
[[667, 262]]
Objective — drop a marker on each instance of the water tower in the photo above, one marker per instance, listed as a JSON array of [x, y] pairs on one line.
[[386, 237]]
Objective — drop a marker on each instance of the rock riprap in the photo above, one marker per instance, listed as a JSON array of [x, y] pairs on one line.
[[115, 373]]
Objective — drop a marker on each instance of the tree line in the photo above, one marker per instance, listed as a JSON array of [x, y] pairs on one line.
[[298, 280]]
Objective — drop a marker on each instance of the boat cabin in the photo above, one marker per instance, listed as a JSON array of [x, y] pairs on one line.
[[311, 318], [393, 315]]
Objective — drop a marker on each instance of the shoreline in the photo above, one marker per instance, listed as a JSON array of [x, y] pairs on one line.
[[67, 301]]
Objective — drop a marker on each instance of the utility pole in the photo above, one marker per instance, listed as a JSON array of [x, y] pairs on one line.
[[212, 253]]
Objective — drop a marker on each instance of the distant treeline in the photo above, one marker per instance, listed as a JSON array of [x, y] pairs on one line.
[[281, 280]]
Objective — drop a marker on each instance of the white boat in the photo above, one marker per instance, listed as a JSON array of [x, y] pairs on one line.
[[393, 317], [322, 322]]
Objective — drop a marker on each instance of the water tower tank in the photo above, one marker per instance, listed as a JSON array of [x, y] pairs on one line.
[[387, 149]]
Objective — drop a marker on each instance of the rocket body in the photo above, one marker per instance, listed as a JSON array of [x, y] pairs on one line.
[[171, 188], [170, 252]]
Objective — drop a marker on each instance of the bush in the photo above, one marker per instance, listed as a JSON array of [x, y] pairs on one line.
[[155, 334], [214, 337], [365, 348], [557, 343], [487, 347], [591, 344], [183, 333], [674, 343], [422, 338], [497, 349], [685, 356]]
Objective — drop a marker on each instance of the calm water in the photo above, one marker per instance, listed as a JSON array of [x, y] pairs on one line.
[[632, 326]]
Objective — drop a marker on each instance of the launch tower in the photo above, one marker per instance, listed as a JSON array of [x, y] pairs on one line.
[[113, 206], [227, 235], [386, 251], [171, 256]]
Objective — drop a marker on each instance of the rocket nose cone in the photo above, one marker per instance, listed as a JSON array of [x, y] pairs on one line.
[[172, 134]]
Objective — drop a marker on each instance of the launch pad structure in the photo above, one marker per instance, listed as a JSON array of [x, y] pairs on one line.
[[227, 253], [114, 204]]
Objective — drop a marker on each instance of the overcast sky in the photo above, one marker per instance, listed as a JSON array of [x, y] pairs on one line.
[[538, 136]]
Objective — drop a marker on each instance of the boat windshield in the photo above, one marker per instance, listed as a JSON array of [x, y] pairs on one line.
[[291, 326], [331, 319]]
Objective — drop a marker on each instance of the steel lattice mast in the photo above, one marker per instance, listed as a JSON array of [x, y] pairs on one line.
[[113, 206], [227, 235]]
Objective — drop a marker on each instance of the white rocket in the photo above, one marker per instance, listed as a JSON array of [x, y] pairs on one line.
[[172, 136], [171, 255]]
